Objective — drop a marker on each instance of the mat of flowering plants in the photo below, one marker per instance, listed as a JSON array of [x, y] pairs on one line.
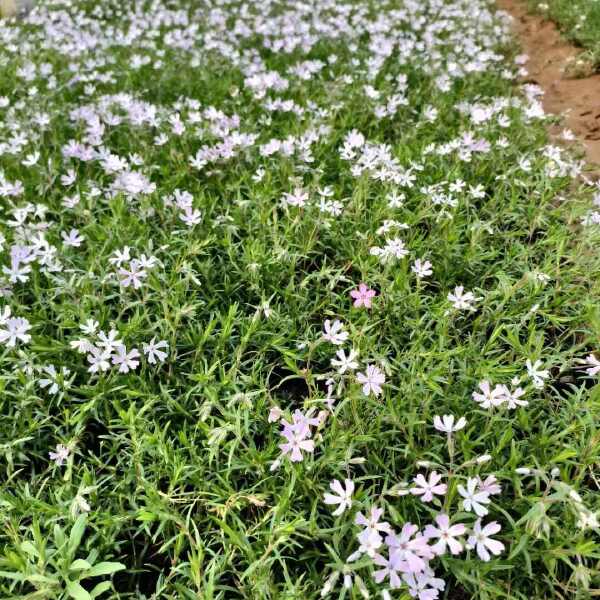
[[298, 300]]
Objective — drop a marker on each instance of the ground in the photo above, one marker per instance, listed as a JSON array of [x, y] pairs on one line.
[[298, 300]]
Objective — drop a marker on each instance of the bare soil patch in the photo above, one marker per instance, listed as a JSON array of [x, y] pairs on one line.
[[550, 57]]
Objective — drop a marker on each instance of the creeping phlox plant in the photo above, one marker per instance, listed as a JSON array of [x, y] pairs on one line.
[[297, 299]]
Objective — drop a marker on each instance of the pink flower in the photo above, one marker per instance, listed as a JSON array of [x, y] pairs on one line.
[[363, 296], [426, 489], [482, 542], [490, 485]]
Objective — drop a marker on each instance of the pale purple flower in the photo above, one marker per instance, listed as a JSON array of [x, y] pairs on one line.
[[424, 586], [390, 567], [446, 535], [490, 485], [412, 552], [373, 521], [274, 414], [72, 238], [296, 444], [427, 488], [371, 380], [369, 542], [489, 396], [298, 198], [60, 454], [99, 359], [127, 361], [190, 216], [133, 276], [513, 397]]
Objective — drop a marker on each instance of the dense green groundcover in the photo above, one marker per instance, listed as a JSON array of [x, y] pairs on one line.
[[260, 161]]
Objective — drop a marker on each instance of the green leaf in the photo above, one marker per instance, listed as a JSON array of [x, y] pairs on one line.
[[80, 565], [11, 575], [77, 533], [563, 456], [76, 591], [105, 568], [30, 549], [38, 578], [102, 587]]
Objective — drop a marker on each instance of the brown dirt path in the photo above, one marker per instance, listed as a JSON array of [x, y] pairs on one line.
[[550, 55]]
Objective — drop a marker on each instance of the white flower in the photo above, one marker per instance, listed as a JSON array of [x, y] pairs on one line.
[[489, 397], [594, 365], [462, 300], [16, 330], [72, 239], [422, 268], [345, 363], [153, 350], [342, 496], [334, 332], [393, 249], [109, 342], [89, 327], [536, 373], [51, 382], [474, 499], [588, 520], [275, 414], [82, 345], [447, 424], [512, 398], [481, 540], [98, 359]]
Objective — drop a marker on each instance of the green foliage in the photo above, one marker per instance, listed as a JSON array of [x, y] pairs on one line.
[[171, 463]]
